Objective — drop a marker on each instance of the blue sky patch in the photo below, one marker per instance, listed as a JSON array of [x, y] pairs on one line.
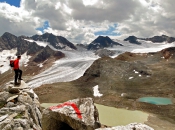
[[109, 32], [12, 2], [45, 26]]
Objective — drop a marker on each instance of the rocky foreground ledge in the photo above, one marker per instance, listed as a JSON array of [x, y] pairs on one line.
[[20, 110]]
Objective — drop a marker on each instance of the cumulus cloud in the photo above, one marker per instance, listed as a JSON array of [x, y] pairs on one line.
[[151, 18], [15, 20], [80, 20], [113, 11]]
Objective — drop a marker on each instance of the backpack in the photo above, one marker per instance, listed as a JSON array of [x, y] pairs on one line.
[[11, 63]]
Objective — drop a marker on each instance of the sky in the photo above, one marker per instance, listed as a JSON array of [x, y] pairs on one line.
[[81, 21]]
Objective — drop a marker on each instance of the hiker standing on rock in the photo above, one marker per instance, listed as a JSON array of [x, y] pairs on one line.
[[18, 72]]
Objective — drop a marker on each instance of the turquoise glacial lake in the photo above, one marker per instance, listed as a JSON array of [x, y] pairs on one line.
[[156, 100]]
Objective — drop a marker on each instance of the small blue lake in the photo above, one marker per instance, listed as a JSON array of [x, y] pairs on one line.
[[156, 100]]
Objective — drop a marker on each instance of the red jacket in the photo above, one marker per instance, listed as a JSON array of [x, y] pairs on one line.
[[16, 64]]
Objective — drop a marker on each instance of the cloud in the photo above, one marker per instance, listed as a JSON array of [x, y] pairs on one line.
[[113, 11], [15, 20], [28, 5], [147, 20], [80, 21]]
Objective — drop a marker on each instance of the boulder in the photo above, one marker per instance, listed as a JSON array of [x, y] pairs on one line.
[[10, 104], [3, 117], [25, 98], [13, 90], [4, 96], [8, 87], [77, 114], [12, 98]]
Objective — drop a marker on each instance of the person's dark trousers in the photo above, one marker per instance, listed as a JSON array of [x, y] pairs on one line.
[[18, 74]]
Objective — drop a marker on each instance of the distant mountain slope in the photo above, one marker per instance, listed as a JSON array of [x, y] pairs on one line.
[[132, 39], [57, 42], [46, 53], [155, 39], [162, 38], [104, 53], [102, 42], [9, 41]]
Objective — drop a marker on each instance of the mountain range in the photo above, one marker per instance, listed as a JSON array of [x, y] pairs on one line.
[[40, 53], [155, 39], [57, 42], [9, 41]]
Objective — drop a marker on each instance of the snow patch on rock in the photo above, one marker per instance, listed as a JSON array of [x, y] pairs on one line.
[[40, 43], [131, 77], [5, 56], [96, 91]]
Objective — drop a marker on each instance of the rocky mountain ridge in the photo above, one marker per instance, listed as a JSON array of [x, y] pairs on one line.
[[57, 42], [160, 39], [132, 39], [19, 108], [155, 39], [102, 42], [9, 41]]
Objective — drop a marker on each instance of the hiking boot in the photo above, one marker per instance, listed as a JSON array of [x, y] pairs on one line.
[[20, 79], [17, 83]]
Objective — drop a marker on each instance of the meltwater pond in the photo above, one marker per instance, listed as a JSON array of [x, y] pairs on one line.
[[156, 100]]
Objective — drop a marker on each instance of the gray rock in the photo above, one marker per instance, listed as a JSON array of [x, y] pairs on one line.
[[30, 93], [11, 98], [8, 122], [3, 117], [8, 127], [36, 102], [34, 115], [36, 127], [19, 128], [78, 114], [8, 87], [24, 123], [19, 108], [132, 126], [39, 114], [25, 98], [4, 96], [10, 104]]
